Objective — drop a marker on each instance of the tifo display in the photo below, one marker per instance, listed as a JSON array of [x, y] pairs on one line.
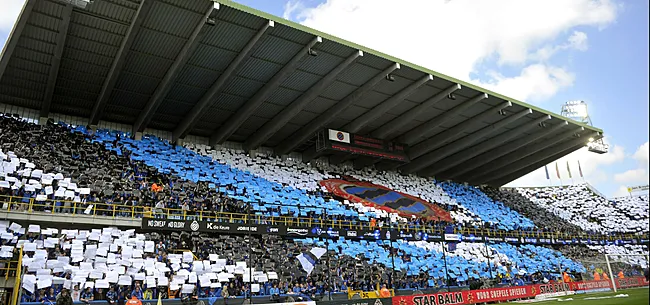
[[176, 152], [407, 232]]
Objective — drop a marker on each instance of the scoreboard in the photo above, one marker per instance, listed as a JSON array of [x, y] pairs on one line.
[[334, 140]]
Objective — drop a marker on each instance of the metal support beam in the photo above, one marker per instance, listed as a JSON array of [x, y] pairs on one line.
[[522, 172], [377, 111], [417, 134], [230, 126], [433, 156], [456, 173], [120, 59], [442, 138], [190, 120], [170, 77], [56, 60], [308, 131], [388, 129], [275, 124], [471, 152], [489, 168], [14, 36], [534, 158]]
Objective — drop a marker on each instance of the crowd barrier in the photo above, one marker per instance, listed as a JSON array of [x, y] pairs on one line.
[[321, 230], [459, 297], [409, 231], [513, 293]]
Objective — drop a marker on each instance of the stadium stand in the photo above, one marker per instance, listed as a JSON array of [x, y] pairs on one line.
[[201, 264], [492, 213], [84, 172], [543, 220], [576, 204], [304, 176], [244, 187], [638, 254], [198, 179], [206, 70]]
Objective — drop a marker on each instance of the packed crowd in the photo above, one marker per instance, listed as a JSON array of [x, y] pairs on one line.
[[119, 176], [577, 204], [113, 264], [543, 220], [66, 169]]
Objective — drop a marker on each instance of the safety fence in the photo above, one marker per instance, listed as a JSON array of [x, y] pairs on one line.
[[458, 297], [119, 211]]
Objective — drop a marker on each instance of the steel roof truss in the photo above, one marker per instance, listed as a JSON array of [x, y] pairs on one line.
[[357, 124], [530, 168], [280, 120], [534, 158], [14, 36], [415, 135], [441, 138], [488, 169], [303, 134], [438, 154], [56, 60], [170, 76], [243, 113], [190, 120], [120, 59], [471, 152], [388, 129], [497, 152]]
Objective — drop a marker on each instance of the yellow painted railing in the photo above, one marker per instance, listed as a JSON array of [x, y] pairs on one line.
[[8, 269], [113, 210]]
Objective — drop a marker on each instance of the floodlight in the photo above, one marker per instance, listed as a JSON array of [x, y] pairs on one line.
[[591, 139]]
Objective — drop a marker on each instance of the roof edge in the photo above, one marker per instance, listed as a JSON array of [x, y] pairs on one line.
[[350, 44]]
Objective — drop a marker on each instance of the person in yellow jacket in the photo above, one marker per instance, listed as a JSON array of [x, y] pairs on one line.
[[148, 294]]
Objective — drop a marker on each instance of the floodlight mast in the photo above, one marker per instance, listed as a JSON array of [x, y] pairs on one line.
[[578, 111]]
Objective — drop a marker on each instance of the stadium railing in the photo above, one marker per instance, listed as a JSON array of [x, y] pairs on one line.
[[29, 205], [8, 268]]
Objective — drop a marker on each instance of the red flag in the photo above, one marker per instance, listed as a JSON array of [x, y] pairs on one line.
[[557, 170]]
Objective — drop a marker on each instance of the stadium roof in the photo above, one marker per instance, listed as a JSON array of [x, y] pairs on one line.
[[228, 72]]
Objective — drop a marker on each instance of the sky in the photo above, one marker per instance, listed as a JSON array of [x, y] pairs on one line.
[[543, 52]]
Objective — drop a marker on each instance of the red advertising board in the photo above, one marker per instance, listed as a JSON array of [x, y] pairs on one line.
[[510, 293], [630, 282], [590, 285]]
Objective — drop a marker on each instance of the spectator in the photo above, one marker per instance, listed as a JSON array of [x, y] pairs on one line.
[[64, 298], [87, 296]]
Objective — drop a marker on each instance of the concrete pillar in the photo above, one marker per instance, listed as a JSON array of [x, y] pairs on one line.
[[138, 136], [42, 120]]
